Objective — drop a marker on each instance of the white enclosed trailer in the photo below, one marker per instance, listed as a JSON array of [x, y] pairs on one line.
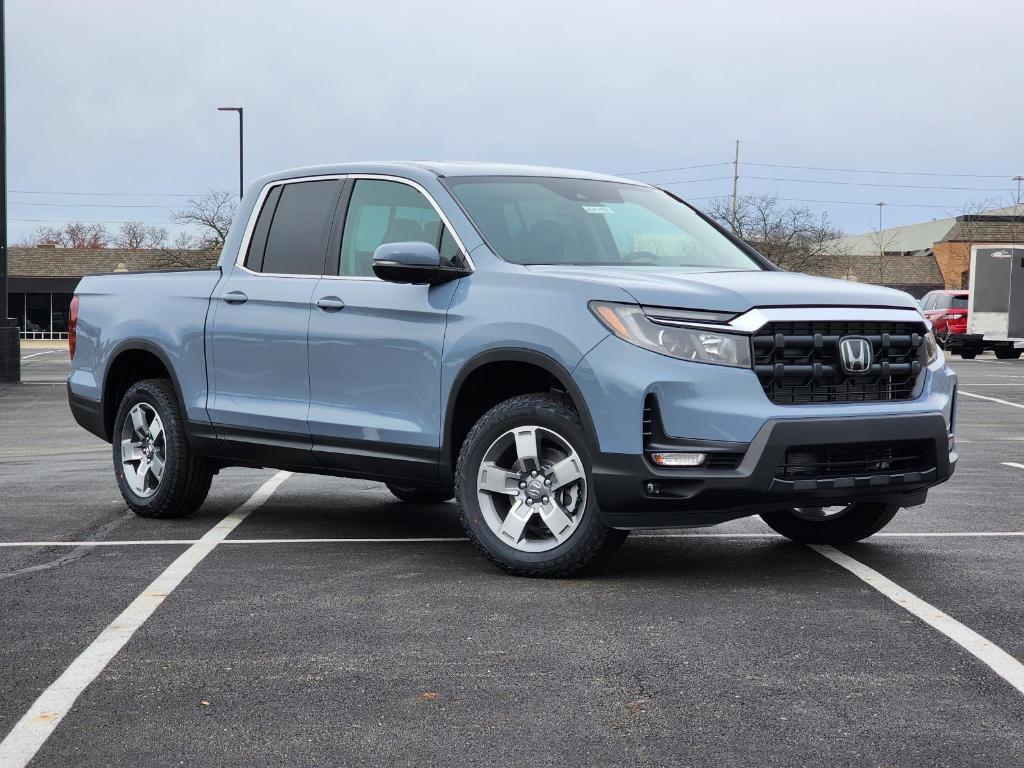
[[996, 304]]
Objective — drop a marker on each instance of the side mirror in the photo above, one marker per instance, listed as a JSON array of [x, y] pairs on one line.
[[412, 262]]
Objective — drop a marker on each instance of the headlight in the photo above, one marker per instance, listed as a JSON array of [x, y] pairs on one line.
[[931, 346], [629, 323]]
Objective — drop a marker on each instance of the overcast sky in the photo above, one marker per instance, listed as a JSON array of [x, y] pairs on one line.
[[119, 97]]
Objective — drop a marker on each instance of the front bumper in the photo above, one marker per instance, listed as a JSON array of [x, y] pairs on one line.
[[633, 493]]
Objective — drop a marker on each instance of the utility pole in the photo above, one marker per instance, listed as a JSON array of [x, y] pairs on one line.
[[735, 182], [241, 144], [881, 245], [10, 341], [1018, 179]]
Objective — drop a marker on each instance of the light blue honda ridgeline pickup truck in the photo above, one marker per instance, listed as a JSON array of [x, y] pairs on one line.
[[568, 355]]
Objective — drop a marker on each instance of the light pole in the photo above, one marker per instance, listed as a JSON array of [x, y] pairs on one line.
[[10, 342], [241, 144]]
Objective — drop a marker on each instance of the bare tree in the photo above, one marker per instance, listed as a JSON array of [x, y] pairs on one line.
[[135, 234], [212, 214], [74, 234], [792, 237]]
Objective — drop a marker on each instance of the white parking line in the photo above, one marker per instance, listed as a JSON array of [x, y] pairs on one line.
[[1013, 464], [42, 718], [449, 539], [37, 354], [993, 399], [998, 660]]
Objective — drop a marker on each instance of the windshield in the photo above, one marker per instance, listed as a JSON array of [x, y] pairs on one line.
[[538, 220]]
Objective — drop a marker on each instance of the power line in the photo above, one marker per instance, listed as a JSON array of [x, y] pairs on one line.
[[87, 221], [92, 205], [693, 181], [837, 202], [896, 173], [104, 194], [679, 168], [870, 184]]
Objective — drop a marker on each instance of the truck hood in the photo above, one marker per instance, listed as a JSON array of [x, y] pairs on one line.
[[731, 291]]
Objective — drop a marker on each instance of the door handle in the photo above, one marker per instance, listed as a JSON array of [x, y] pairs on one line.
[[330, 304], [235, 297]]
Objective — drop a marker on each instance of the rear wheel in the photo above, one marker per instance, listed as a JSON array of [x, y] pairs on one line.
[[1008, 353], [157, 472], [523, 484], [968, 355], [419, 494], [831, 525]]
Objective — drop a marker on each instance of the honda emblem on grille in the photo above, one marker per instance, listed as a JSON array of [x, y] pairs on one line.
[[855, 354]]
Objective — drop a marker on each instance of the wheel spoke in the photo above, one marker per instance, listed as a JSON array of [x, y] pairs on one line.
[[515, 521], [528, 448], [139, 421], [156, 466], [139, 478], [566, 471], [556, 519], [156, 428], [130, 451], [497, 480]]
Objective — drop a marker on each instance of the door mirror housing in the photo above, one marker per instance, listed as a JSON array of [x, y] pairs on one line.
[[412, 262]]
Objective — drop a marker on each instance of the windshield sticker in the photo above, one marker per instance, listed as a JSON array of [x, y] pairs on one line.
[[597, 209]]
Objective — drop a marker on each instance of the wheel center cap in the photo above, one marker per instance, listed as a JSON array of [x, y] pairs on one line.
[[535, 487]]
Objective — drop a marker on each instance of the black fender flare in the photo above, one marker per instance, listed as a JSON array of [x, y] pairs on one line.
[[134, 345], [512, 355]]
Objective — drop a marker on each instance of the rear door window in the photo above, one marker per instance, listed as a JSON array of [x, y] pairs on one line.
[[299, 224]]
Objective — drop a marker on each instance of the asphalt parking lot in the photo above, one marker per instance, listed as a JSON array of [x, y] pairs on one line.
[[337, 626]]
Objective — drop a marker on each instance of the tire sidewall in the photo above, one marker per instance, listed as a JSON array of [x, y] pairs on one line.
[[489, 429], [143, 392]]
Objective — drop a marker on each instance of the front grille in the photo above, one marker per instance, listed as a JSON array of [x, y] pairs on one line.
[[798, 362], [856, 459]]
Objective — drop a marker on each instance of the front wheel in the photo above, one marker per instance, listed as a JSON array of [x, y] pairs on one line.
[[156, 469], [831, 525], [523, 485], [968, 355]]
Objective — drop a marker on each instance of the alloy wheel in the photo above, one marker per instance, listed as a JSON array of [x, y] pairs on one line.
[[143, 449], [532, 488]]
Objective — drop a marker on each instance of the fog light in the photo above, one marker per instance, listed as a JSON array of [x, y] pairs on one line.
[[950, 441], [678, 459]]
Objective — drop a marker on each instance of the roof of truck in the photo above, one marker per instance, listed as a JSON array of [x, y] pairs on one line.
[[445, 168]]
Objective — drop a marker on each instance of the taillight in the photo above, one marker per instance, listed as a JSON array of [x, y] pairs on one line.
[[72, 326]]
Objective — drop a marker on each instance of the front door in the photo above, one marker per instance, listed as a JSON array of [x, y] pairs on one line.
[[375, 347], [260, 361]]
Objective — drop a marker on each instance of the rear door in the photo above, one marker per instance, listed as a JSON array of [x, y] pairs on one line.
[[375, 347], [260, 360]]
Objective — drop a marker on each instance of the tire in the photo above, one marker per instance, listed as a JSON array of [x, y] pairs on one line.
[[856, 522], [419, 494], [1008, 353], [530, 546], [184, 480], [968, 355]]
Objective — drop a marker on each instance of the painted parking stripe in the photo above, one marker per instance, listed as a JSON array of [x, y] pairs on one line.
[[37, 354], [452, 539], [43, 717], [998, 660], [993, 399], [1013, 464]]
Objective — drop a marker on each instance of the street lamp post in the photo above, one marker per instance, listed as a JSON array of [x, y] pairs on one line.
[[241, 144], [10, 342]]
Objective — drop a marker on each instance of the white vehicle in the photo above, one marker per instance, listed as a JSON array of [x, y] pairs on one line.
[[996, 305]]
